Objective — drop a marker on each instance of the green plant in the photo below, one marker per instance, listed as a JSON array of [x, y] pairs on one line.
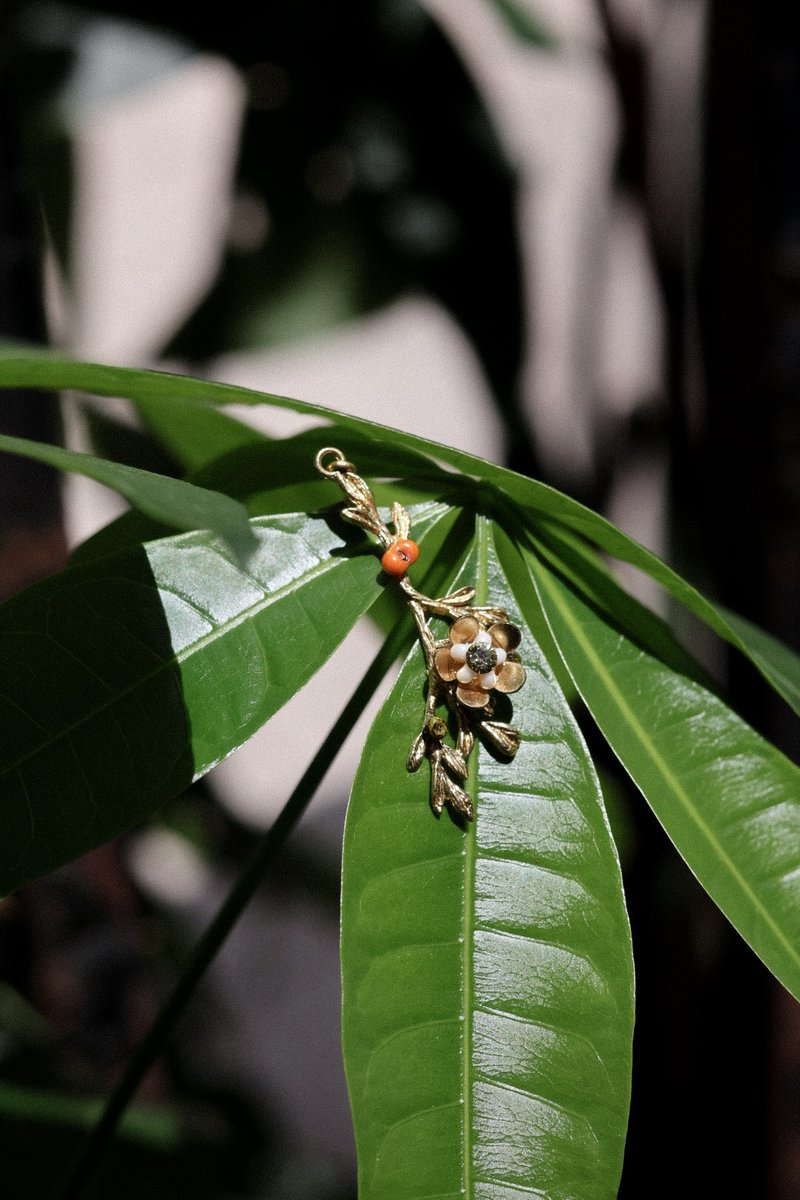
[[488, 976]]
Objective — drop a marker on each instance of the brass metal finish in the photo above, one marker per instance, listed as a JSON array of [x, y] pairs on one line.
[[470, 700]]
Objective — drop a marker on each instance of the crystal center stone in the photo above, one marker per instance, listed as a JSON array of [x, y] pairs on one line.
[[481, 658]]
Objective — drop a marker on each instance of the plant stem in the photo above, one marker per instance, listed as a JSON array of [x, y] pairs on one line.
[[88, 1165]]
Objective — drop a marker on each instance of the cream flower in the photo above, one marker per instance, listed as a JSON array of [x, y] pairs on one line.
[[480, 660]]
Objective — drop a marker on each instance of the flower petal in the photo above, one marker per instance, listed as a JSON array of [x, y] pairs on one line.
[[510, 677], [465, 674], [501, 656], [472, 697], [458, 653], [506, 635], [488, 680], [482, 638], [444, 668], [464, 629]]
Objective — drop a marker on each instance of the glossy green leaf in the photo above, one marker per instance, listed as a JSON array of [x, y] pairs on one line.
[[728, 799], [487, 970], [272, 472], [769, 654], [739, 634], [581, 565], [171, 501], [194, 436], [278, 476], [113, 438], [43, 369], [124, 680]]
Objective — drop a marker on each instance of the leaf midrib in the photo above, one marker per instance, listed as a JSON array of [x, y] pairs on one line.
[[468, 922], [670, 779]]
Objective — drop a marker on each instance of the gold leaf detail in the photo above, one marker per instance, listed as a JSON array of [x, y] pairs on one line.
[[502, 736]]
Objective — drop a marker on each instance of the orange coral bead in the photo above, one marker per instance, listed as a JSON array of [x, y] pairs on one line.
[[399, 557]]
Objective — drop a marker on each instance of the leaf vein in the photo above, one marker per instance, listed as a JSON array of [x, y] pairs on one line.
[[546, 1100], [176, 658]]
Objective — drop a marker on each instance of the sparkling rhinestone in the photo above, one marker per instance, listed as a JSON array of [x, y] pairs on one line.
[[481, 658]]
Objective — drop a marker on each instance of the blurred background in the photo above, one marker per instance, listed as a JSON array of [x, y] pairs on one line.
[[561, 234]]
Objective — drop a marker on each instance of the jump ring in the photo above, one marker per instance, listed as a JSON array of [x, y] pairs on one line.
[[339, 464]]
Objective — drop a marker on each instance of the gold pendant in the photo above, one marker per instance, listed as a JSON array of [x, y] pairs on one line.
[[466, 670]]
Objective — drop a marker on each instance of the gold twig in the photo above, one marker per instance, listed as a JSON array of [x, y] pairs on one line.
[[464, 670]]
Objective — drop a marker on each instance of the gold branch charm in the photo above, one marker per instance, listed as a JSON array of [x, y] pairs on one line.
[[467, 670]]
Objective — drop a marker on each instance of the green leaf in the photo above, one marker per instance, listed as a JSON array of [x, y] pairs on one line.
[[581, 565], [487, 970], [269, 472], [124, 680], [171, 501], [769, 654], [620, 546], [728, 799], [195, 436], [43, 369], [117, 440], [278, 476]]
